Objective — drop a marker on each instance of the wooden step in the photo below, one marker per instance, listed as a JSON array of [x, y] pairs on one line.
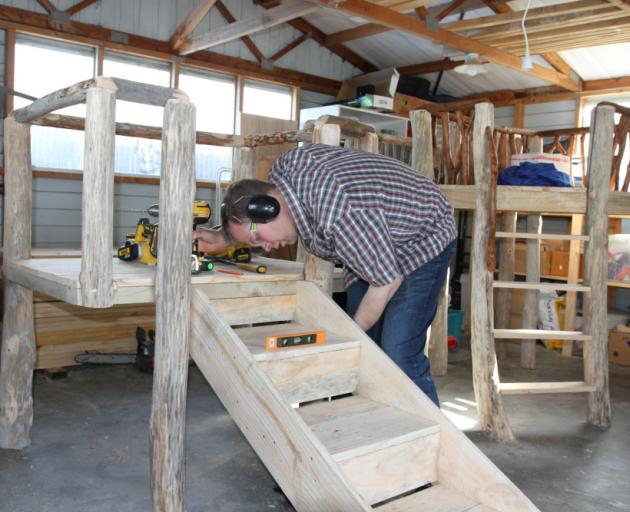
[[541, 236], [539, 388], [383, 451], [543, 287], [435, 499], [305, 373], [539, 334]]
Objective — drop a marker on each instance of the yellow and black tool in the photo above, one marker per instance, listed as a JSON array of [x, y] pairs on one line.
[[250, 267], [284, 341], [239, 253]]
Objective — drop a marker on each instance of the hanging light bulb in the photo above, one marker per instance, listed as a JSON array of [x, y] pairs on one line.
[[472, 66], [527, 64]]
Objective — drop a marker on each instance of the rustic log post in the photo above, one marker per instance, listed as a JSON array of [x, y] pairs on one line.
[[422, 151], [595, 265], [97, 210], [245, 164], [317, 270], [492, 416], [577, 226], [17, 358], [530, 309], [369, 143], [438, 337], [172, 307], [503, 309]]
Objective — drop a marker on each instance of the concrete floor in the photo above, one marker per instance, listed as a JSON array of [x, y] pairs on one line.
[[89, 450]]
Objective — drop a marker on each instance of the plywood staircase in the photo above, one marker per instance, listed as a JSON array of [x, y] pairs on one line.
[[364, 437]]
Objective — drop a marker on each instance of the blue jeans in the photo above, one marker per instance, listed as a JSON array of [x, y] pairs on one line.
[[402, 329]]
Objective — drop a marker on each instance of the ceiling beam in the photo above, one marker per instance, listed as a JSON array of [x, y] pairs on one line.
[[428, 67], [449, 9], [247, 41], [40, 24], [276, 15], [290, 47], [48, 7], [365, 30], [72, 10], [320, 38], [190, 23], [418, 28]]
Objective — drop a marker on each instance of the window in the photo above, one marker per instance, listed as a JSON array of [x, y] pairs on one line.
[[214, 96], [135, 155], [269, 100], [587, 110], [38, 63]]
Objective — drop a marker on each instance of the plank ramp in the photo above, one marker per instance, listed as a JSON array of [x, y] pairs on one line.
[[338, 425]]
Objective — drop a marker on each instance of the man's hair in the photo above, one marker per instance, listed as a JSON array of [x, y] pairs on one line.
[[236, 199]]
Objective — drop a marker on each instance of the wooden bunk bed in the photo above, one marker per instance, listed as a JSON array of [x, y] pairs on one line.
[[257, 389]]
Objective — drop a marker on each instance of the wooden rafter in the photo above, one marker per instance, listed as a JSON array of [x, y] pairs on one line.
[[72, 10], [41, 24], [320, 38], [291, 46], [428, 67], [274, 16], [247, 41], [366, 30], [50, 8], [416, 27], [450, 9], [190, 23]]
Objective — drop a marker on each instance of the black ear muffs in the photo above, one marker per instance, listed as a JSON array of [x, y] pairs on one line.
[[260, 209]]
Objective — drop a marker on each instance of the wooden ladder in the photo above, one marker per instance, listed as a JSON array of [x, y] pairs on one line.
[[489, 390], [364, 436]]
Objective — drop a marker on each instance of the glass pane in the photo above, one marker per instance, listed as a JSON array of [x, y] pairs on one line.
[[215, 99], [37, 65], [135, 155], [267, 100]]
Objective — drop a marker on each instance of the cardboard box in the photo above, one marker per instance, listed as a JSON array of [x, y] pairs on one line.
[[559, 264], [520, 259], [562, 163], [619, 348], [384, 81], [619, 258]]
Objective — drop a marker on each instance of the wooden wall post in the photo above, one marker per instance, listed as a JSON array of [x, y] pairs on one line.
[[503, 308], [530, 309], [172, 307], [316, 269], [595, 265], [492, 416], [17, 358], [245, 164], [573, 274], [422, 143], [97, 210]]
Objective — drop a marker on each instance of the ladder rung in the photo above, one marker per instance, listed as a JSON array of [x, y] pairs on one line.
[[535, 334], [546, 287], [542, 236], [533, 388]]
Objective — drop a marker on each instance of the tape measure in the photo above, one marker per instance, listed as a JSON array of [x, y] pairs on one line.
[[302, 339]]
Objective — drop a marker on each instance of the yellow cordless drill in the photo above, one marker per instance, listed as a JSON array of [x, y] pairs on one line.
[[143, 243]]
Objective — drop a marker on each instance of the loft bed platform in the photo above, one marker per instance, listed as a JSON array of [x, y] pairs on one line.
[[550, 200], [133, 282]]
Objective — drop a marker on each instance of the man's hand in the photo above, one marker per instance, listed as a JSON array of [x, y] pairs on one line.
[[374, 303], [209, 239]]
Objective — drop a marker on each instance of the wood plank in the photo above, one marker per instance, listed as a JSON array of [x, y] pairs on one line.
[[383, 451], [354, 33], [437, 498], [595, 354], [172, 307], [97, 199], [309, 477], [416, 27], [190, 22], [492, 415], [460, 463], [546, 287], [536, 388], [530, 307], [256, 309], [79, 6], [577, 226], [503, 297], [539, 334], [227, 15], [285, 12], [540, 236]]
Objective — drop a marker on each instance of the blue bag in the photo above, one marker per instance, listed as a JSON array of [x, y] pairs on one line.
[[534, 175]]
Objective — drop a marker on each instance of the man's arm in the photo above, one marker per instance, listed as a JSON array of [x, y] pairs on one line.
[[374, 302], [209, 239]]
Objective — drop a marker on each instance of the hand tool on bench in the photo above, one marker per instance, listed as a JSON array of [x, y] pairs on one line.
[[251, 267], [291, 340]]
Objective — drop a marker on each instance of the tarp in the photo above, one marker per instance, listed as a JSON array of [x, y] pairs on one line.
[[534, 174]]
